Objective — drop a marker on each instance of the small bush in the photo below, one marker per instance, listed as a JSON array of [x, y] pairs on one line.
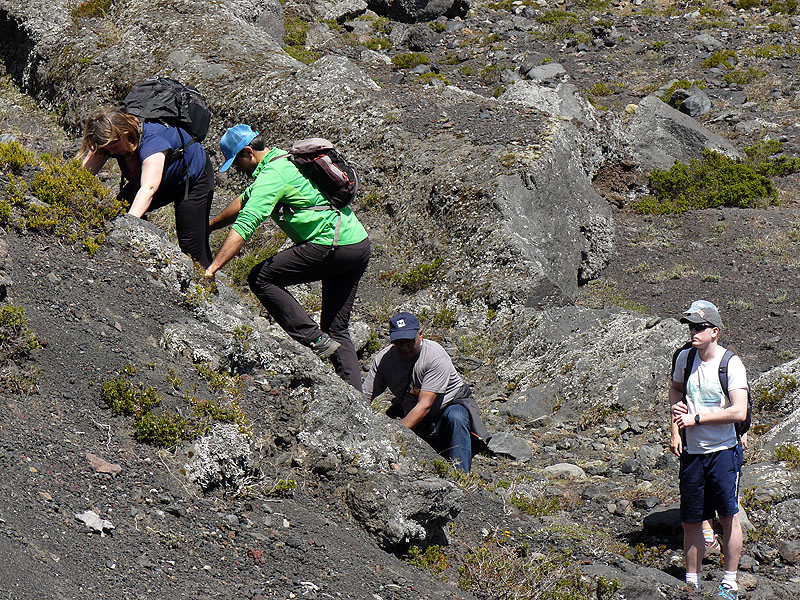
[[428, 77], [14, 156], [16, 337], [715, 181], [431, 558], [772, 397], [410, 60], [726, 58], [302, 54], [164, 430], [789, 453], [284, 488], [601, 89], [539, 506], [91, 8], [420, 276], [296, 31], [748, 75]]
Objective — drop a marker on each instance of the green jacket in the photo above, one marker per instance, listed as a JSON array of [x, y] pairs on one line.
[[279, 181]]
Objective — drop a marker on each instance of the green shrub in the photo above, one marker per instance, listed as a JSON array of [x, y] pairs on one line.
[[16, 337], [378, 43], [302, 54], [726, 58], [789, 453], [715, 181], [431, 558], [764, 156], [164, 430], [410, 60], [14, 156], [283, 488], [498, 565], [601, 89], [787, 7], [91, 8], [78, 202], [539, 506], [683, 84], [771, 398], [296, 29], [743, 77], [420, 276], [557, 17], [428, 77]]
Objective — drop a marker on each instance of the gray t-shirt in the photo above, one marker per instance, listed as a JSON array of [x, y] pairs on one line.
[[433, 371]]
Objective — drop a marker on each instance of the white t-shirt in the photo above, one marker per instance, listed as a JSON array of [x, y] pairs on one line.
[[704, 395]]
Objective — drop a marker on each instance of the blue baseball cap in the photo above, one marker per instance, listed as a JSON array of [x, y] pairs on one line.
[[403, 326], [233, 141]]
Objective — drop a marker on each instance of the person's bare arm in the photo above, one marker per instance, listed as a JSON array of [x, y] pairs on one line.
[[95, 160], [420, 410], [227, 216], [152, 172], [230, 248], [675, 398]]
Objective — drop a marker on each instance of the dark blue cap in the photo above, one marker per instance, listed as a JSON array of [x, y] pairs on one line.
[[403, 326]]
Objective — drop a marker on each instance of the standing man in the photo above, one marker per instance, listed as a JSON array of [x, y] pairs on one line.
[[710, 453], [433, 398], [331, 246]]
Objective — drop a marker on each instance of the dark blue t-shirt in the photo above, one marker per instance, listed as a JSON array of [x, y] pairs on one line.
[[158, 138]]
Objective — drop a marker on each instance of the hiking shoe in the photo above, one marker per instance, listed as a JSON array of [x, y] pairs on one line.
[[727, 592], [324, 346]]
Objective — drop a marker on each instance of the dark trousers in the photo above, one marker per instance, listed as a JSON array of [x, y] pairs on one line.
[[191, 214], [339, 271]]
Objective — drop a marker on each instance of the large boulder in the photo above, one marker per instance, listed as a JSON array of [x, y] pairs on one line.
[[658, 135], [413, 11], [585, 360]]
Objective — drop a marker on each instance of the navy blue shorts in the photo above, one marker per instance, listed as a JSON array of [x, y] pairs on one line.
[[709, 484]]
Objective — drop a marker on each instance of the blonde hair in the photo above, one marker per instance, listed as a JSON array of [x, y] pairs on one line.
[[108, 125]]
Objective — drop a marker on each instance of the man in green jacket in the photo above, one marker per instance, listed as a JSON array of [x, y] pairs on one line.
[[282, 192]]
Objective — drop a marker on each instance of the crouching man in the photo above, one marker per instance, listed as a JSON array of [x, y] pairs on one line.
[[704, 437], [431, 396]]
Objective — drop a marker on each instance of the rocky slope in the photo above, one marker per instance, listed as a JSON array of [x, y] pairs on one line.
[[512, 151]]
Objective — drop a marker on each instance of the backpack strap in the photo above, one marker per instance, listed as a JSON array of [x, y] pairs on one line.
[[687, 370], [723, 372]]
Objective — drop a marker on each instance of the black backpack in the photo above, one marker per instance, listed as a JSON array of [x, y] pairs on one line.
[[319, 161], [741, 427], [170, 102]]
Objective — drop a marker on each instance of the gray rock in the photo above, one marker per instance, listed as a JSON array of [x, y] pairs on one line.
[[790, 552], [565, 471], [401, 511], [665, 521], [629, 466], [658, 135], [346, 9], [563, 101], [708, 41], [563, 346], [646, 503], [505, 444], [696, 105], [410, 11], [532, 60], [546, 72], [420, 38], [221, 457]]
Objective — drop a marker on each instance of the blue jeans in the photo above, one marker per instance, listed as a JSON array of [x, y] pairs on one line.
[[451, 437]]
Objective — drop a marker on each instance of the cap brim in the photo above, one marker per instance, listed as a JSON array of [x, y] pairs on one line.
[[406, 334], [694, 318], [227, 164]]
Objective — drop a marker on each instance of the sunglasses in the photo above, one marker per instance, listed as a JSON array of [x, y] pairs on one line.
[[700, 326]]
